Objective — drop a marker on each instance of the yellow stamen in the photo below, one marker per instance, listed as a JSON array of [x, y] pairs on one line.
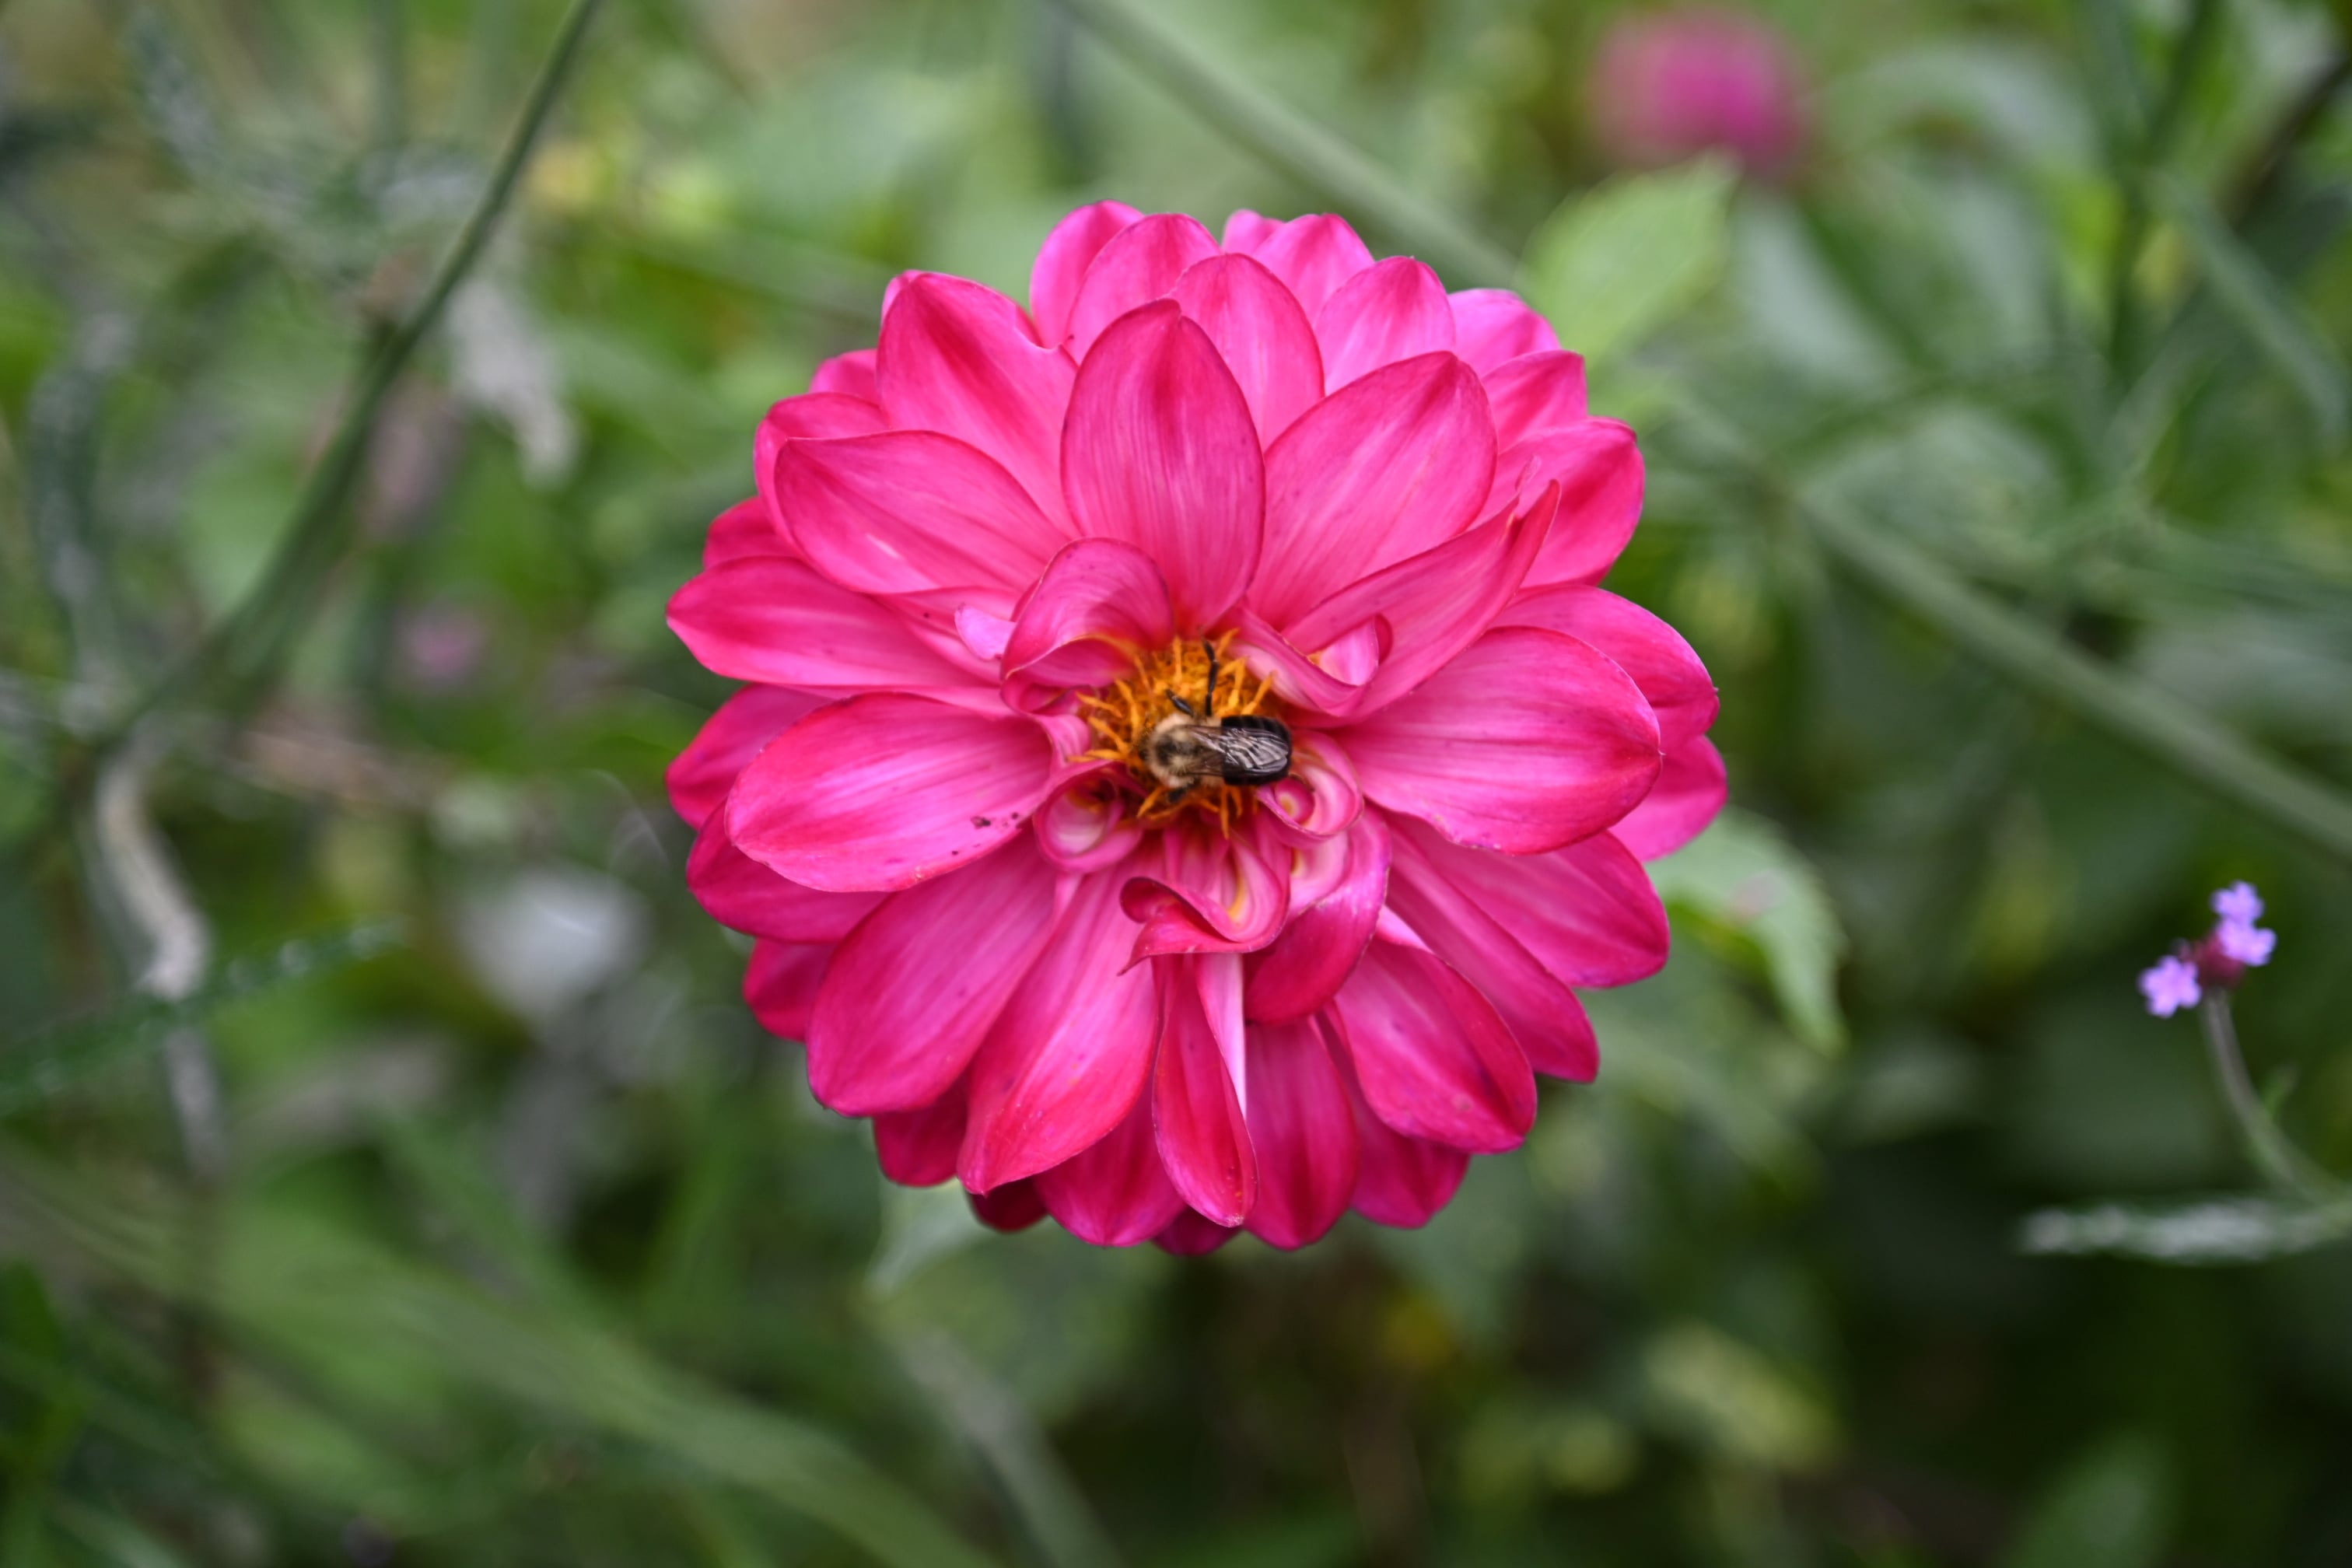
[[1123, 714]]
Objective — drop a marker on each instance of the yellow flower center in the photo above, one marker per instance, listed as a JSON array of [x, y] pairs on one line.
[[1123, 716]]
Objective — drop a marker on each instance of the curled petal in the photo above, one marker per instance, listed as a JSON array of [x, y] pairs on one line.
[[917, 1148], [882, 791], [1139, 264], [1543, 1014], [1320, 799], [913, 990], [1535, 395], [1494, 326], [781, 985], [1100, 604], [1300, 680], [1391, 312], [779, 623], [1384, 469], [1673, 680], [1204, 1138], [1015, 1206], [1689, 793], [1063, 261], [1262, 334], [1587, 913], [1302, 1132], [1528, 741], [1071, 1052], [1160, 452], [1399, 1180], [1084, 824], [1599, 470], [1434, 1060], [1190, 1235], [1430, 608], [911, 509], [1115, 1192], [958, 358], [746, 530], [1211, 894], [703, 773], [739, 892], [852, 374], [1323, 941], [1313, 255]]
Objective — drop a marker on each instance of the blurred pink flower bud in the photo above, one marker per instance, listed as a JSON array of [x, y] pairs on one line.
[[1673, 84], [441, 644]]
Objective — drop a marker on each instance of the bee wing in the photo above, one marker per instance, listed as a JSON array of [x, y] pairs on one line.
[[1248, 754]]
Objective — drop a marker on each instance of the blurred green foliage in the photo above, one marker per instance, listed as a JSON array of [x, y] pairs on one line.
[[519, 1243]]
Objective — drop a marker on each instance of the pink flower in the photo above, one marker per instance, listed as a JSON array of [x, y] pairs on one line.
[[988, 558], [1669, 86], [2170, 985]]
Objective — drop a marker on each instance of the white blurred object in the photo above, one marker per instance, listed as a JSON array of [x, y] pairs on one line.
[[502, 364], [543, 939]]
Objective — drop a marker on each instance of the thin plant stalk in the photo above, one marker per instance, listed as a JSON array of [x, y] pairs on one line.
[[2267, 1145]]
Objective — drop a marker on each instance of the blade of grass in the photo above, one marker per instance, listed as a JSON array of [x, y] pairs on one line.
[[241, 653], [2041, 660], [283, 1280], [1294, 144]]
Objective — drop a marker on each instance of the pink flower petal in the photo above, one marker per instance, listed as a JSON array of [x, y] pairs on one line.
[[1313, 255], [1543, 1014], [703, 773], [1139, 265], [914, 989], [1599, 470], [1115, 1192], [1399, 1180], [1435, 604], [1063, 261], [886, 791], [781, 985], [1084, 824], [1203, 1140], [1673, 680], [917, 1148], [1100, 605], [958, 358], [1299, 679], [1302, 1132], [1526, 742], [1536, 394], [1208, 894], [1689, 793], [1161, 453], [1434, 1060], [1587, 913], [779, 623], [745, 531], [1393, 310], [852, 374], [910, 509], [1015, 1206], [739, 892], [1322, 943], [1189, 1234], [1494, 326], [1395, 463], [1320, 799], [1261, 334], [1071, 1052]]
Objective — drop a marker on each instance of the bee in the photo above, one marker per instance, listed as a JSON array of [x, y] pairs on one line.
[[1190, 747]]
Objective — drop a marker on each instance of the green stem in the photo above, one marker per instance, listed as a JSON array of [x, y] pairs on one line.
[[2131, 235], [241, 653], [2266, 1145], [1296, 146]]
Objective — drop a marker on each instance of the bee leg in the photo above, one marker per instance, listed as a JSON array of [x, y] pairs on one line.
[[1182, 706]]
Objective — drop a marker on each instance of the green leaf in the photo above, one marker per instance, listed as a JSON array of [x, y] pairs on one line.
[[2202, 1232], [1611, 266], [2108, 1511], [2263, 308], [1741, 878]]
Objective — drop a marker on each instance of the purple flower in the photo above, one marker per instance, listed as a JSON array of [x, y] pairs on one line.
[[2248, 944], [2170, 985], [2238, 904]]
